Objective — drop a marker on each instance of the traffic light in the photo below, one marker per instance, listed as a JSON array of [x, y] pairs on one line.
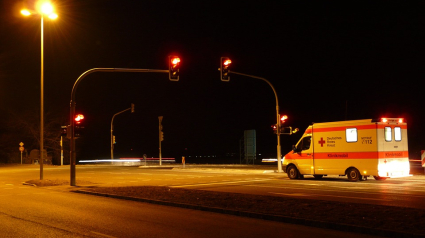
[[79, 118], [224, 69], [161, 133], [274, 128], [174, 67], [283, 119], [132, 107], [64, 130], [113, 140], [78, 127], [288, 130]]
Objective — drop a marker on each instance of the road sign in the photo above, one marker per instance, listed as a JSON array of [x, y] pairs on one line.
[[21, 148], [21, 144]]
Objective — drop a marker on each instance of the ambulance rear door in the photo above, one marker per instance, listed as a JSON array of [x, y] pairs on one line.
[[393, 149]]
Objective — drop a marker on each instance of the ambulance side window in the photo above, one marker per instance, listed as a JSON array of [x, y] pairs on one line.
[[397, 133], [388, 134], [351, 134], [304, 144]]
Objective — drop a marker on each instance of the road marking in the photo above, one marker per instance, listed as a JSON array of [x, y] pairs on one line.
[[104, 235], [325, 195], [216, 183], [365, 192]]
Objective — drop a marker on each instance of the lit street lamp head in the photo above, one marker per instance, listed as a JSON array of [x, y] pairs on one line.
[[25, 12], [44, 8]]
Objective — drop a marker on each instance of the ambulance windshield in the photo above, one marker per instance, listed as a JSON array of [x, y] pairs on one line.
[[304, 144]]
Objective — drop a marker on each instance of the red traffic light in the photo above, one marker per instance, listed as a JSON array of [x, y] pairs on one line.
[[283, 118], [274, 127], [79, 118], [175, 61], [173, 68], [227, 62], [224, 69]]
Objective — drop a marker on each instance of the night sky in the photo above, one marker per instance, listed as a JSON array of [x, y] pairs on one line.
[[328, 60]]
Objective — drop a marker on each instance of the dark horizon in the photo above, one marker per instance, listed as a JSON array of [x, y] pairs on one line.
[[328, 61]]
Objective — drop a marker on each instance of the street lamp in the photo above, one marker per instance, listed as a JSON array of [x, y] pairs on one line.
[[112, 128], [43, 8]]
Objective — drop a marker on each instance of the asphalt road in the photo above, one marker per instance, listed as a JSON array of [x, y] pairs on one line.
[[262, 180], [28, 211]]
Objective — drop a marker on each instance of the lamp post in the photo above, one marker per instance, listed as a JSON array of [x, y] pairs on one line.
[[112, 128], [44, 8]]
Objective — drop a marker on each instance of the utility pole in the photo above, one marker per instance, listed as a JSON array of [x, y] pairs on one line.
[[161, 138]]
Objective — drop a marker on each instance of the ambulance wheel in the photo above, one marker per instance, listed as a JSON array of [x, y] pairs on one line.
[[292, 172], [379, 178], [318, 176], [353, 174]]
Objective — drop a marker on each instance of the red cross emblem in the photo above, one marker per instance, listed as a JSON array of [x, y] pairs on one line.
[[321, 141]]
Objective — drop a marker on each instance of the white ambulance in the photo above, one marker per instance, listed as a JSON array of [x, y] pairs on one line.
[[358, 149]]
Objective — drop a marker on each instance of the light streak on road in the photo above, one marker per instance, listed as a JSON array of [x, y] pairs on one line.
[[325, 195]]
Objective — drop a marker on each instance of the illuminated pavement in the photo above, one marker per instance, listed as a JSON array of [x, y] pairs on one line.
[[27, 211], [403, 192]]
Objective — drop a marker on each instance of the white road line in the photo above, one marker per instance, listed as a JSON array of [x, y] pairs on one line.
[[331, 190], [325, 195], [217, 183], [100, 234]]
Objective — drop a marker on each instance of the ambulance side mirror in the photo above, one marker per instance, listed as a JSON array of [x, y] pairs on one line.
[[295, 149]]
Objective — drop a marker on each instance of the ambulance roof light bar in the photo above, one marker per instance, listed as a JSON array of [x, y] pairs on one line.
[[393, 120]]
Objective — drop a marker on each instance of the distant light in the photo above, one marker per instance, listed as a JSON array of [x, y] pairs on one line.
[[25, 12], [384, 120], [108, 160], [400, 120]]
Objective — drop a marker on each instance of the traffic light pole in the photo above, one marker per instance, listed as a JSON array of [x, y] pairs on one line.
[[73, 105], [279, 159], [160, 139]]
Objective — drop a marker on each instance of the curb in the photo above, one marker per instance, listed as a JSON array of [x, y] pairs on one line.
[[277, 218]]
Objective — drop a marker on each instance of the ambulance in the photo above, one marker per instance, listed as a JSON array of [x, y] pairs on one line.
[[357, 149]]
